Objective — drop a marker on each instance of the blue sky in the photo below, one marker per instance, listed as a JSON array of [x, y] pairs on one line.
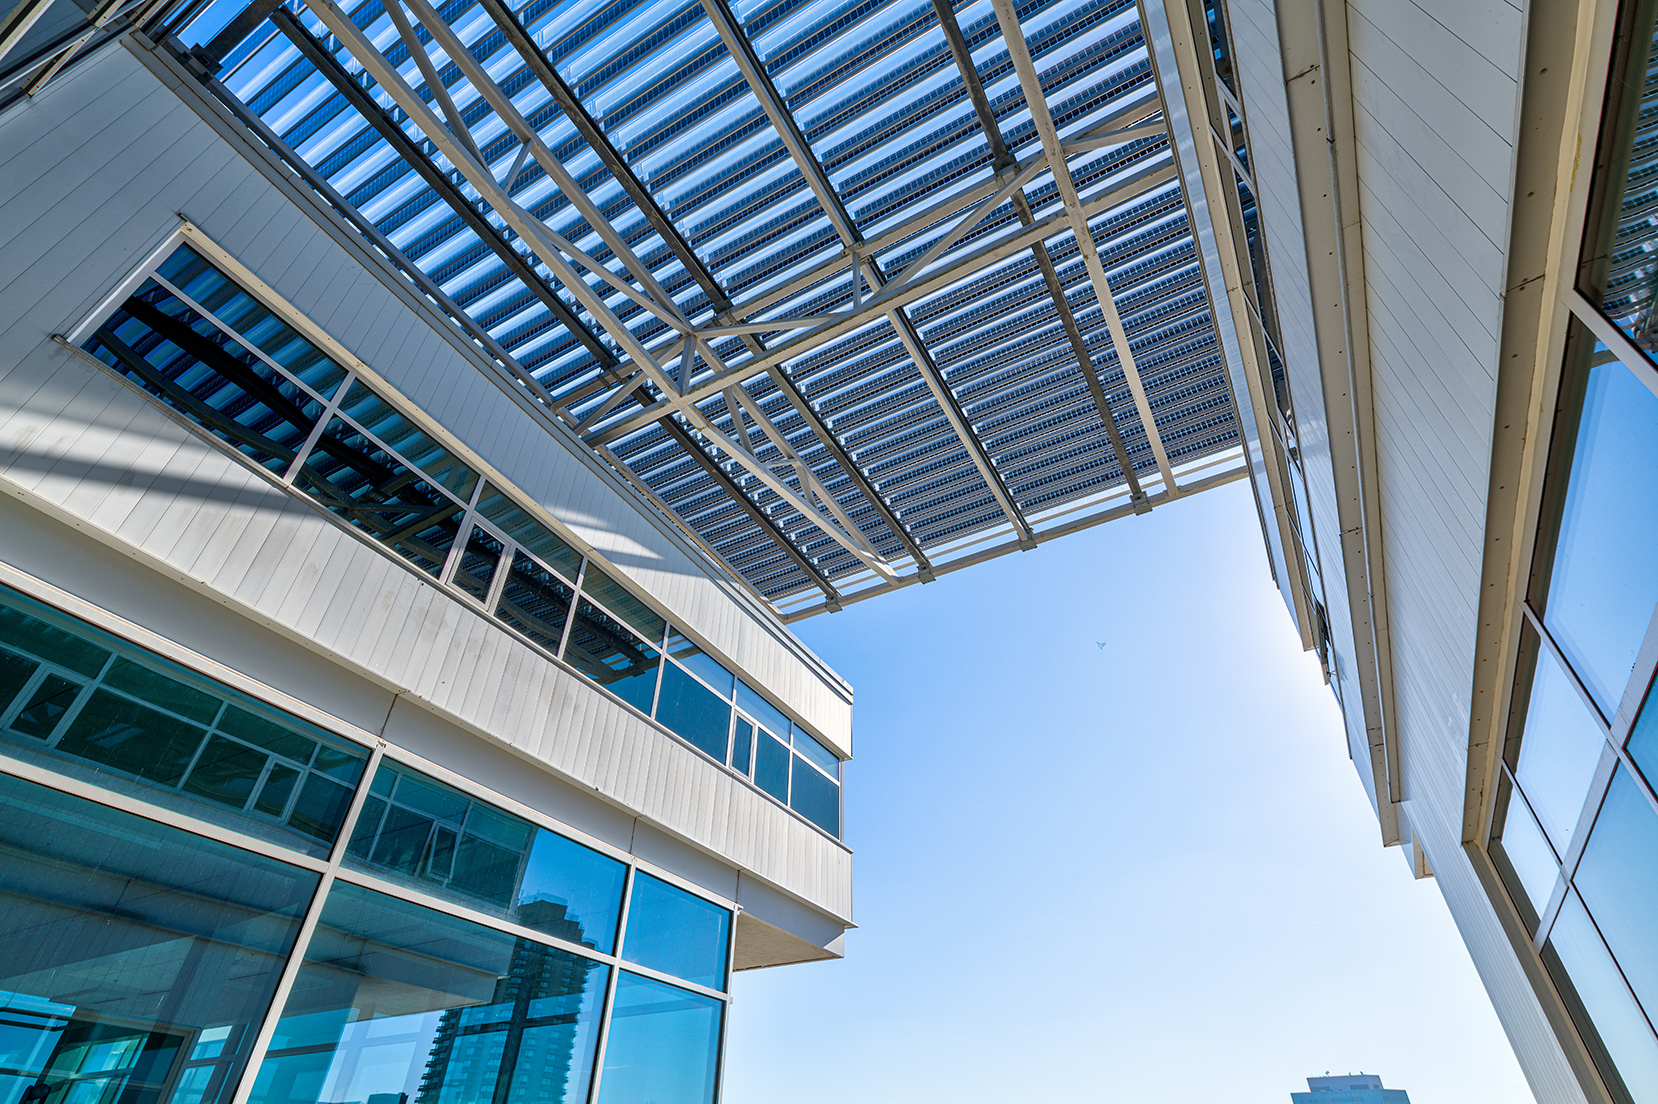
[[1143, 873]]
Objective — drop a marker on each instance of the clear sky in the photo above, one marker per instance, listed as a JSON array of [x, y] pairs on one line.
[[1142, 873]]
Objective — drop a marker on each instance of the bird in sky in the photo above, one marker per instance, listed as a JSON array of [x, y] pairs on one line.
[[1101, 643]]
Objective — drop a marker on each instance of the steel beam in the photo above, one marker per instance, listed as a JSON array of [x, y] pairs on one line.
[[590, 130], [1036, 100], [1099, 517], [405, 147], [667, 309], [794, 141], [811, 494], [447, 190], [760, 518], [365, 227], [954, 270], [1000, 156], [17, 22]]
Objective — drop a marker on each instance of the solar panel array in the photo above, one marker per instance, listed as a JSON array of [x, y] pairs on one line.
[[891, 124]]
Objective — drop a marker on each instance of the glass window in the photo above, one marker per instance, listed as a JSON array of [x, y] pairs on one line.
[[742, 745], [1603, 583], [1617, 271], [1587, 976], [139, 959], [816, 798], [241, 312], [771, 767], [807, 744], [677, 932], [1615, 879], [1560, 747], [390, 425], [663, 1047], [1217, 41], [439, 839], [610, 654], [706, 666], [513, 520], [98, 709], [620, 601], [535, 602], [1531, 863], [182, 358], [1643, 739], [691, 709], [479, 558], [750, 702], [397, 1002], [354, 477]]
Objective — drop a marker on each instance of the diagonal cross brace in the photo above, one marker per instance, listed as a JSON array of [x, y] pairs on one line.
[[1036, 100], [794, 141], [1001, 155]]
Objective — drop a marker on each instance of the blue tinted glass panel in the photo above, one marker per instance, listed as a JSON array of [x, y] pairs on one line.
[[241, 312], [750, 702], [437, 838], [399, 1002], [690, 709], [742, 746], [816, 798], [154, 956], [102, 710], [479, 558], [677, 932], [664, 1045], [1615, 879], [392, 427], [771, 766], [1643, 740], [1605, 580], [1559, 750], [612, 655], [1613, 1014], [354, 478], [182, 358], [535, 601], [807, 744], [1522, 843], [620, 601], [517, 523], [587, 886], [706, 666]]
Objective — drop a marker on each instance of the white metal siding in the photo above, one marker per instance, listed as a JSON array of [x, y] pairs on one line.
[[92, 451], [1435, 100], [102, 163]]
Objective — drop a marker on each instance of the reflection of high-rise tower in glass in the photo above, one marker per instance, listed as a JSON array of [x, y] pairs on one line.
[[519, 1047]]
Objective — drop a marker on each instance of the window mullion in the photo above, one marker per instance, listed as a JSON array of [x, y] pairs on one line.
[[296, 955]]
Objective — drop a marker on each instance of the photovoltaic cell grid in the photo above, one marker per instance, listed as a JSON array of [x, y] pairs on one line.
[[873, 87]]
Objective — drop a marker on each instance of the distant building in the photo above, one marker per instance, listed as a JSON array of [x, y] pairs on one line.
[[1349, 1088]]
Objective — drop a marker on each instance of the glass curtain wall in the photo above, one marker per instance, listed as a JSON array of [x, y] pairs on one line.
[[199, 342], [1575, 827], [177, 916]]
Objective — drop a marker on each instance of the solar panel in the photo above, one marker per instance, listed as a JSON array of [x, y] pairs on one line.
[[802, 270]]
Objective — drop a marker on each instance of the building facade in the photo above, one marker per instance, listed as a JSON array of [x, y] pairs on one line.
[[1440, 217], [1351, 1088], [364, 740], [417, 428]]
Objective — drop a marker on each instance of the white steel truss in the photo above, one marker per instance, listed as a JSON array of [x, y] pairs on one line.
[[704, 369]]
